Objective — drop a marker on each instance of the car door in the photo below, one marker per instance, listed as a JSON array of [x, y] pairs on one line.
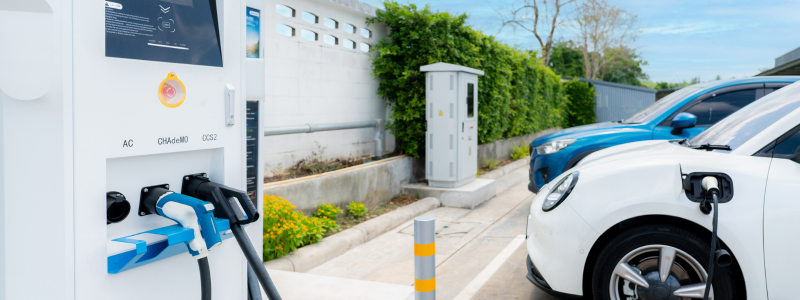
[[782, 217], [710, 108]]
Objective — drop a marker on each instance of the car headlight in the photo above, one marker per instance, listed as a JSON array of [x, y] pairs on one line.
[[560, 191], [553, 146]]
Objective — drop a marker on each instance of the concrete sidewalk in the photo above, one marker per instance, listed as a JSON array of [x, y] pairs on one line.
[[467, 242]]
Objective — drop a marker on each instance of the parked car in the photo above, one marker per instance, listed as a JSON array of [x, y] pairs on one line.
[[624, 223], [682, 114]]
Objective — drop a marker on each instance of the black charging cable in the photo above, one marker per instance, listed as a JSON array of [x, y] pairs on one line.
[[205, 278], [716, 254], [254, 261]]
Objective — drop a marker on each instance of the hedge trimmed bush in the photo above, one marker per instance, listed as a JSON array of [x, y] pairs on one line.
[[581, 103], [517, 95]]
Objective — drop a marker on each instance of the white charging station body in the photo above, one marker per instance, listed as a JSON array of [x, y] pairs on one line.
[[96, 123]]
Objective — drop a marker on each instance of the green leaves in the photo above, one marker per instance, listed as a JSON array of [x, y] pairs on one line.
[[581, 103], [516, 96]]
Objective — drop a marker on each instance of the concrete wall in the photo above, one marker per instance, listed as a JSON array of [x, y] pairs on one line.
[[372, 184], [312, 82], [501, 149]]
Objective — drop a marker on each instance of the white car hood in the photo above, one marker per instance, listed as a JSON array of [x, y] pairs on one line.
[[635, 150]]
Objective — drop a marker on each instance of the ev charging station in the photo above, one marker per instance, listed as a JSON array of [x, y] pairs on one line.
[[451, 144], [119, 120]]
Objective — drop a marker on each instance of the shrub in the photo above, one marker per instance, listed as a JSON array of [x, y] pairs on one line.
[[580, 109], [490, 164], [286, 229], [357, 209], [517, 95], [328, 215], [519, 152]]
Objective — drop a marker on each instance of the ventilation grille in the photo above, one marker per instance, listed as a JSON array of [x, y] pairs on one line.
[[451, 142], [451, 110], [430, 140], [451, 169], [451, 82]]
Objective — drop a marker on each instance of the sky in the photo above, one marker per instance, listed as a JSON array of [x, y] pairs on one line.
[[679, 40]]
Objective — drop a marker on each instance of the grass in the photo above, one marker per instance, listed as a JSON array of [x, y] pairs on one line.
[[519, 152]]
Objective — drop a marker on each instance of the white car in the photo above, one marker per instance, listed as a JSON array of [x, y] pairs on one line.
[[625, 223]]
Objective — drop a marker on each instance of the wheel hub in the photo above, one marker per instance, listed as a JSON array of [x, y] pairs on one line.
[[658, 290]]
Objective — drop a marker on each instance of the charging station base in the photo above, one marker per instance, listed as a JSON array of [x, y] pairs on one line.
[[469, 195]]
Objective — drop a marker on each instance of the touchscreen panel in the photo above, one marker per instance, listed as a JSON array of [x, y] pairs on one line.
[[177, 31]]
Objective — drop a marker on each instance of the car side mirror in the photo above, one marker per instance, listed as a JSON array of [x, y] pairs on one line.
[[681, 121]]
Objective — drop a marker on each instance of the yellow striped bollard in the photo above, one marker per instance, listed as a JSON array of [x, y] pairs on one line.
[[424, 258]]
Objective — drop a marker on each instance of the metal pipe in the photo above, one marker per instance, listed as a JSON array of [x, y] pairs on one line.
[[377, 124]]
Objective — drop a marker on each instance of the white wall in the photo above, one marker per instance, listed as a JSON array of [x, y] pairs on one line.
[[312, 82]]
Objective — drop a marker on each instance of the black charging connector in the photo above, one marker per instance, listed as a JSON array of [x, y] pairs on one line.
[[235, 206]]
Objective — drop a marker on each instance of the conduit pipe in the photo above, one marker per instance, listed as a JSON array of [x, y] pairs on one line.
[[376, 124]]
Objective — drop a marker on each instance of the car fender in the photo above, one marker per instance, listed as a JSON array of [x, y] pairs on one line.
[[611, 191]]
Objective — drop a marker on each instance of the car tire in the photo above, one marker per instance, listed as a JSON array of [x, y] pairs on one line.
[[692, 254]]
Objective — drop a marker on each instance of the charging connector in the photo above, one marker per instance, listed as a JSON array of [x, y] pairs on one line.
[[190, 213], [716, 254], [236, 206]]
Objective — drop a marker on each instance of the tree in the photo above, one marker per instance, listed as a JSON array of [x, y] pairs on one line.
[[525, 14], [624, 66], [566, 59], [601, 26]]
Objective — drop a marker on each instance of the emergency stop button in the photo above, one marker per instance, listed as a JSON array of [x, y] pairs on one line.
[[171, 91]]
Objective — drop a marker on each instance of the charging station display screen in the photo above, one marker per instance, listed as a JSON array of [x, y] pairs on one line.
[[176, 31]]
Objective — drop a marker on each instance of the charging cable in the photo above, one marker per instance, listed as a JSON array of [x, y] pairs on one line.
[[717, 254], [236, 206], [194, 214]]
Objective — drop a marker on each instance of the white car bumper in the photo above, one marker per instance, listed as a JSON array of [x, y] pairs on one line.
[[558, 243]]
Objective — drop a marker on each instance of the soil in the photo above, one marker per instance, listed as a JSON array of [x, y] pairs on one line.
[[312, 166], [347, 221]]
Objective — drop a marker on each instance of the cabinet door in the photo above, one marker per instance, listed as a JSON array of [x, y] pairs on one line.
[[440, 137], [782, 218], [468, 129]]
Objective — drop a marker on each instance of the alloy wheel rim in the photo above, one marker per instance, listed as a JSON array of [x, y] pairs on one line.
[[661, 272]]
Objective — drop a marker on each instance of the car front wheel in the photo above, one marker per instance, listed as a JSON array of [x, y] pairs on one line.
[[658, 262]]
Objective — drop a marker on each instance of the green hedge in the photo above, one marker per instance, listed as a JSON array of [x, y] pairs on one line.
[[517, 94], [581, 103]]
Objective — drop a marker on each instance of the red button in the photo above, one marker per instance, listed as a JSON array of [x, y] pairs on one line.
[[168, 91]]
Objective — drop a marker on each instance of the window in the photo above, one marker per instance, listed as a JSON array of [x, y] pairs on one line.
[[366, 33], [470, 100], [331, 23], [349, 44], [349, 28], [284, 10], [329, 39], [714, 109], [310, 18], [285, 30], [309, 35], [364, 47], [789, 146]]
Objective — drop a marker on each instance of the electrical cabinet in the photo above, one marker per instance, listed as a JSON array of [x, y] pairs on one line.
[[451, 138]]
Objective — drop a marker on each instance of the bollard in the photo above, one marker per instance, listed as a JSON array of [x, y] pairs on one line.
[[424, 258]]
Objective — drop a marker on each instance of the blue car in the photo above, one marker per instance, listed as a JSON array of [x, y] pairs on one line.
[[682, 114]]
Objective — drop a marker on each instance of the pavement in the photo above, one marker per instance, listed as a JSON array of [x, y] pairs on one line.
[[480, 254]]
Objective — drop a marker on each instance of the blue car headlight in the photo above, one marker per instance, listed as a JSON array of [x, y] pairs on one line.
[[560, 192], [553, 146]]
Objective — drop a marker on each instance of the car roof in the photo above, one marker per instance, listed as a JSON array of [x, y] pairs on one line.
[[729, 82]]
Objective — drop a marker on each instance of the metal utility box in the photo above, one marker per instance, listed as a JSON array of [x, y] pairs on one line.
[[451, 142]]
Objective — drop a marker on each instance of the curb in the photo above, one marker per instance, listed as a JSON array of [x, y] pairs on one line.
[[499, 172], [314, 255]]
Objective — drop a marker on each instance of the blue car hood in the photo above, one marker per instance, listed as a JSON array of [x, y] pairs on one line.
[[585, 130]]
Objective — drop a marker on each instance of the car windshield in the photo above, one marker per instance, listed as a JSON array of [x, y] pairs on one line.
[[656, 109], [742, 125]]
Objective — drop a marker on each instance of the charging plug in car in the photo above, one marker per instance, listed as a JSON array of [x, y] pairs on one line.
[[717, 255], [236, 206]]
